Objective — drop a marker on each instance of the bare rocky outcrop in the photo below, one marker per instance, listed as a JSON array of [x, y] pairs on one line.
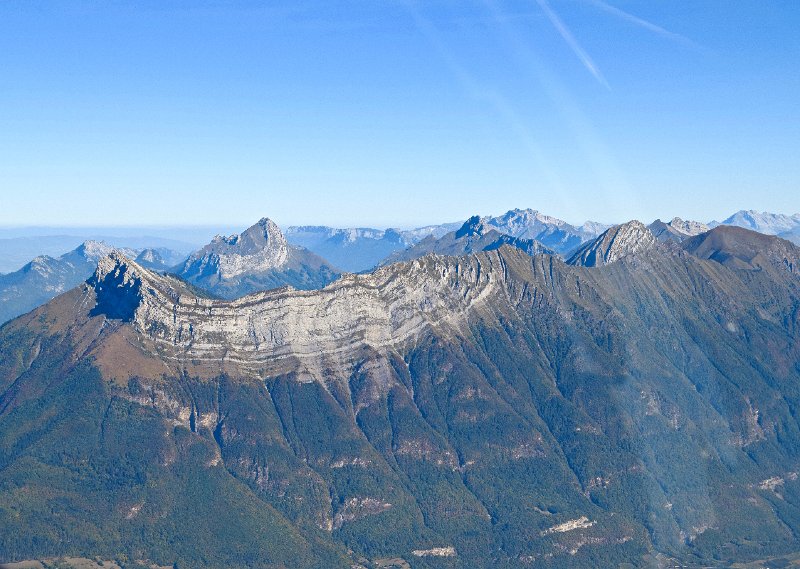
[[275, 329], [259, 258], [614, 244]]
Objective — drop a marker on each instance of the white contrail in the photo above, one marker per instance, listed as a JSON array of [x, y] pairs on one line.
[[642, 23], [559, 25]]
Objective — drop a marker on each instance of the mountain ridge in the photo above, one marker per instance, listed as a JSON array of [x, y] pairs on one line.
[[498, 407]]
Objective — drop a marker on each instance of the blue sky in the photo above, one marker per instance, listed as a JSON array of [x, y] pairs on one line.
[[400, 113]]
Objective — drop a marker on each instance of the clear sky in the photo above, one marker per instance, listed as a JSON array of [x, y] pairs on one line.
[[376, 112]]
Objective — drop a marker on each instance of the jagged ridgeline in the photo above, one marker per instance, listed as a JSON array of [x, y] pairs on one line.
[[493, 410]]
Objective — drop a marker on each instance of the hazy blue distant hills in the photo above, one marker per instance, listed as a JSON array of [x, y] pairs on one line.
[[353, 250], [497, 409], [259, 258], [159, 258], [763, 222], [16, 251], [360, 249], [45, 277], [786, 226]]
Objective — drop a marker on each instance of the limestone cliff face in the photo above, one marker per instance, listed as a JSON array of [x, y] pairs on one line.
[[258, 331]]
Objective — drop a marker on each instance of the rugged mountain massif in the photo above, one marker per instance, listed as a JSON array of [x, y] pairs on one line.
[[491, 410], [360, 249], [551, 232], [45, 277], [476, 234], [259, 258]]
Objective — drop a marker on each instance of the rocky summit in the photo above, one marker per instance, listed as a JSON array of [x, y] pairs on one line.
[[259, 258], [496, 409], [614, 244], [45, 277]]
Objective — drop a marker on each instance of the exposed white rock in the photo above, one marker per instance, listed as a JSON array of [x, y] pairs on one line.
[[616, 243], [581, 523], [358, 507], [260, 248], [688, 227], [435, 552], [382, 309], [771, 483]]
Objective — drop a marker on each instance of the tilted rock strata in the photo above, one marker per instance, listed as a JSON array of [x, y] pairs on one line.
[[380, 310]]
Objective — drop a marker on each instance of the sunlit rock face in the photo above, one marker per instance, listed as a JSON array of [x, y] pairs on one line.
[[259, 258], [614, 244], [260, 248]]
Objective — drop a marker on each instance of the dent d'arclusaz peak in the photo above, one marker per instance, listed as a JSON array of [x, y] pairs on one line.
[[257, 259], [496, 409]]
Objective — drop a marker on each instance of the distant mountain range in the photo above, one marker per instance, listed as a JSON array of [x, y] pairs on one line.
[[476, 234], [784, 226], [360, 249], [309, 257], [634, 406]]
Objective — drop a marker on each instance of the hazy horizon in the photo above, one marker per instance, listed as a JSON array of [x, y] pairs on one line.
[[10, 231]]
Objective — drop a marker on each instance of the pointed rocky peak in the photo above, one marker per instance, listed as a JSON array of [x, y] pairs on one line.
[[593, 227], [259, 248], [614, 244], [475, 226], [115, 265], [149, 256], [94, 250]]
